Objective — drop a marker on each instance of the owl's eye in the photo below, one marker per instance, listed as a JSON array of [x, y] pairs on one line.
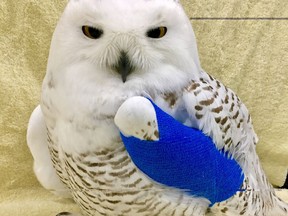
[[157, 32], [92, 32]]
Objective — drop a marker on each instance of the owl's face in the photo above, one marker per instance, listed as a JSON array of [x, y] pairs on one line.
[[147, 43]]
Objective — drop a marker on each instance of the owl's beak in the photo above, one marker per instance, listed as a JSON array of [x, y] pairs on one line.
[[124, 66]]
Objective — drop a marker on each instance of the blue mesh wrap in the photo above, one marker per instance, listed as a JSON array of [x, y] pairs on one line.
[[186, 159]]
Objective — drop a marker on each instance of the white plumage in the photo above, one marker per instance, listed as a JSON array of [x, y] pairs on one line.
[[105, 52]]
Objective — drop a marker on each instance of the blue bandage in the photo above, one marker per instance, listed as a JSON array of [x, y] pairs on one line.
[[186, 159]]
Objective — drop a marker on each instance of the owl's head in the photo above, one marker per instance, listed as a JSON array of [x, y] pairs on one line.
[[147, 43]]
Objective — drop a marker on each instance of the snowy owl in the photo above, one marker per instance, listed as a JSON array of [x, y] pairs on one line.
[[105, 52]]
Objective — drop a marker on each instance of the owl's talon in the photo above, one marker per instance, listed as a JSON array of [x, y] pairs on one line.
[[64, 214]]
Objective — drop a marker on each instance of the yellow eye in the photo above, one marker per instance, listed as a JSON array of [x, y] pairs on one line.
[[157, 32], [92, 32]]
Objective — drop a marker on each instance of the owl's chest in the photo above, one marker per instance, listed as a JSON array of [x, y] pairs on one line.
[[106, 182]]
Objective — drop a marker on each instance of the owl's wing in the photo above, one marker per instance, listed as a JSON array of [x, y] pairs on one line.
[[43, 167], [220, 114]]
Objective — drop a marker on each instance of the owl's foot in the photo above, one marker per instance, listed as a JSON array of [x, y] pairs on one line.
[[67, 214]]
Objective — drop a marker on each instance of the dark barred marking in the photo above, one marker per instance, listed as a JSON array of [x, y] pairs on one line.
[[85, 209], [171, 99], [114, 201], [186, 209], [54, 161], [224, 210], [63, 179], [207, 102], [89, 195], [109, 181], [55, 150], [236, 115], [224, 120], [107, 208], [128, 175], [96, 211], [218, 119], [54, 154], [49, 140], [126, 211], [72, 169], [198, 108], [155, 206], [163, 208], [145, 187], [226, 128], [148, 138], [226, 99], [84, 155], [232, 107], [146, 207], [120, 173], [106, 157], [139, 203], [193, 86], [98, 173], [99, 164], [134, 184], [87, 184], [100, 204], [198, 116], [208, 88], [102, 152], [228, 141], [156, 133], [81, 168], [203, 80], [119, 161], [174, 212], [211, 78], [68, 155], [243, 212], [197, 92], [81, 198], [121, 165], [74, 185], [238, 144], [123, 193], [217, 109], [101, 183]]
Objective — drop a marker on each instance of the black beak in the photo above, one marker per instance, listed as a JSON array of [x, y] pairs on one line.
[[124, 67]]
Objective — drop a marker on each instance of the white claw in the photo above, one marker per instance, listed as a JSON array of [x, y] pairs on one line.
[[137, 117]]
